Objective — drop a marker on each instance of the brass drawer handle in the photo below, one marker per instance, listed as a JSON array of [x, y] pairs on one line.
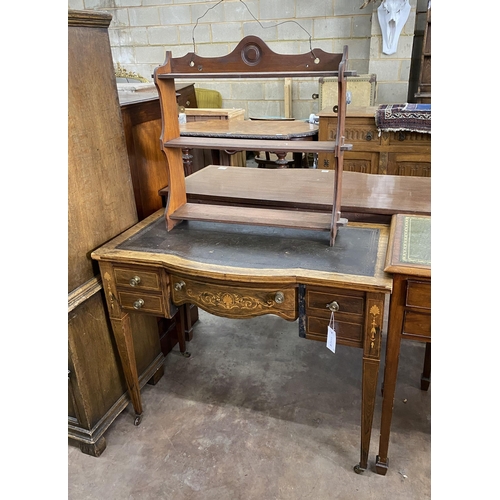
[[333, 306], [138, 304], [179, 286], [279, 298], [369, 136], [135, 281]]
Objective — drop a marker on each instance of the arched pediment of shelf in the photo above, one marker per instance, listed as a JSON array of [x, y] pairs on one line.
[[250, 58]]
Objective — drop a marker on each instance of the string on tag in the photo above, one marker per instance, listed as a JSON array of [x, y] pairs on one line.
[[331, 337], [260, 24]]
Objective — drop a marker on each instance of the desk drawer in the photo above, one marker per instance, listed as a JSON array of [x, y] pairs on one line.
[[349, 319], [142, 302], [410, 138], [350, 302], [347, 333], [418, 294], [364, 133], [232, 301], [138, 278], [417, 323]]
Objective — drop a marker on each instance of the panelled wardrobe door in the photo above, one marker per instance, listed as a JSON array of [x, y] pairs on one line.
[[100, 206]]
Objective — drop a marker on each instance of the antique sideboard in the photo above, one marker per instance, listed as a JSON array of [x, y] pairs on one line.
[[390, 153]]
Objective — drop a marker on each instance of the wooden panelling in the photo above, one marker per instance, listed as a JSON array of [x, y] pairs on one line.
[[388, 153], [100, 206]]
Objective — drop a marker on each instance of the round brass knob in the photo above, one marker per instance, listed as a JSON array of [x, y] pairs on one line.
[[279, 298], [179, 286], [138, 304], [135, 281], [369, 136], [333, 306]]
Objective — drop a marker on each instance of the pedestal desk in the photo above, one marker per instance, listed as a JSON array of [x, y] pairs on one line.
[[240, 271], [409, 261]]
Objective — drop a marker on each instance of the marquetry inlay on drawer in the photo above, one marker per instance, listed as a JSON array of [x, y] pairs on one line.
[[348, 308], [418, 294], [235, 301], [138, 278]]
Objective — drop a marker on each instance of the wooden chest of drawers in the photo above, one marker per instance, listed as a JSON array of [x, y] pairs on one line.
[[391, 153]]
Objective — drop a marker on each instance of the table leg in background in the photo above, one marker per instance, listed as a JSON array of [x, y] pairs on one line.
[[425, 378], [181, 329], [396, 316]]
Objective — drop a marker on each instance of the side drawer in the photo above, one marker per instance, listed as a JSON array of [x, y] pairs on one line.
[[347, 333], [349, 319], [417, 323], [350, 303], [418, 294], [233, 301], [138, 278], [143, 302]]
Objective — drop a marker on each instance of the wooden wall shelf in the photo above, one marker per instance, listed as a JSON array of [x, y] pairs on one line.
[[251, 58]]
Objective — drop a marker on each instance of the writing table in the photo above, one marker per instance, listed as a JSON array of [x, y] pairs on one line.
[[365, 197], [250, 130], [241, 271], [409, 261]]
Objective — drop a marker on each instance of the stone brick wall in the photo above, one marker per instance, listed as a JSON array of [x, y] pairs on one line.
[[142, 30]]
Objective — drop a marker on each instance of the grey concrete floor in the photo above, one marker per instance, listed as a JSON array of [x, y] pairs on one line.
[[259, 413]]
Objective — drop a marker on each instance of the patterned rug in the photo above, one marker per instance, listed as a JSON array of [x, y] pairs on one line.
[[404, 117]]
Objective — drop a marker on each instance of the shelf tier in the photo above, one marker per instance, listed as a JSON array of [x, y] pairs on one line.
[[255, 145], [256, 74], [295, 219]]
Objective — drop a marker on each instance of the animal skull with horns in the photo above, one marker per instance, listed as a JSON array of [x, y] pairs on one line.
[[392, 16]]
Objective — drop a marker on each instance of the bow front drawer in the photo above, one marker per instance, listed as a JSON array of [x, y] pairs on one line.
[[233, 301]]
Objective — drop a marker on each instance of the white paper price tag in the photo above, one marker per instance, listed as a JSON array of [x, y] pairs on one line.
[[331, 338]]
